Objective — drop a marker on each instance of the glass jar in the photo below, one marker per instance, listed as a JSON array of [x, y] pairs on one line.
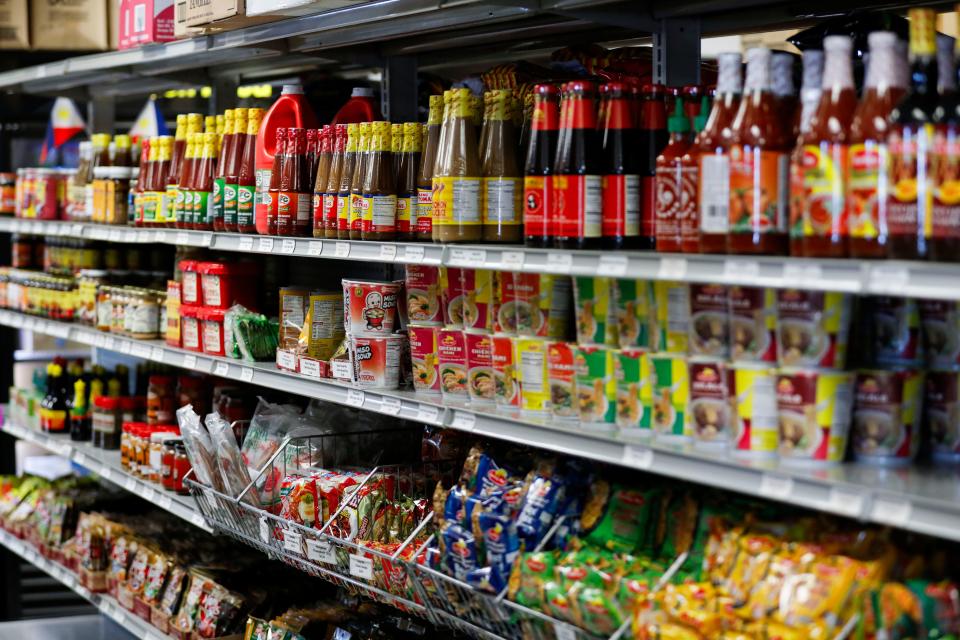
[[181, 467], [142, 318], [166, 460], [118, 300], [89, 282], [125, 445], [140, 442], [104, 320], [155, 456], [106, 422], [161, 403]]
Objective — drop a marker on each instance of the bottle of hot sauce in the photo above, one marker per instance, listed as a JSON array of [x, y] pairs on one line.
[[233, 144], [294, 196], [324, 163], [346, 181], [911, 136], [825, 153], [203, 183], [149, 200], [868, 161], [407, 180], [944, 241], [690, 166], [184, 211], [160, 177], [714, 160], [653, 137], [247, 175], [759, 166], [312, 153], [379, 212], [675, 191], [227, 144], [179, 147], [271, 197], [331, 191], [539, 167], [423, 224], [355, 216], [781, 76], [810, 92], [621, 173]]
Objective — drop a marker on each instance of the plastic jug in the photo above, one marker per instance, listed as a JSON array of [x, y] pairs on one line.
[[359, 108], [290, 110]]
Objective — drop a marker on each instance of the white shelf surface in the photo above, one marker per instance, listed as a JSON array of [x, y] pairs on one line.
[[139, 627], [921, 499]]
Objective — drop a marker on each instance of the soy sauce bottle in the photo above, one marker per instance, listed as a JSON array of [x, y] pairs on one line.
[[539, 167], [653, 138], [945, 166], [621, 171]]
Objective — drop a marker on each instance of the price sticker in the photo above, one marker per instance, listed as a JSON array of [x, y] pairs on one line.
[[310, 367], [288, 246], [612, 266], [388, 252], [888, 278], [314, 248], [776, 486], [391, 406], [741, 270], [467, 257], [264, 530], [190, 361], [265, 245], [464, 421], [892, 511], [559, 262], [149, 494], [245, 244], [182, 238], [341, 369], [512, 260], [221, 369], [564, 631], [156, 354], [361, 567], [115, 235], [246, 374], [286, 360], [672, 268], [143, 236], [76, 229], [844, 502], [342, 250], [165, 502], [428, 413], [637, 457], [321, 551], [293, 542], [355, 397], [413, 253]]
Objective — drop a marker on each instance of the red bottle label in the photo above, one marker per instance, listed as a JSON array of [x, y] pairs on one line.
[[318, 212], [907, 154], [674, 202], [648, 206], [537, 196], [577, 206], [293, 212], [621, 205], [329, 211], [945, 170]]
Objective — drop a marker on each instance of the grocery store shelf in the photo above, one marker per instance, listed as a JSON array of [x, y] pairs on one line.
[[877, 277], [139, 627], [921, 499], [106, 464]]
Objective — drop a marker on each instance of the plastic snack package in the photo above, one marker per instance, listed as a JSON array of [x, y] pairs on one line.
[[200, 448], [229, 461], [249, 335]]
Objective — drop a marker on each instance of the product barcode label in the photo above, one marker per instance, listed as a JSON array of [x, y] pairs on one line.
[[246, 374], [775, 486], [559, 262], [428, 413], [637, 457], [467, 257], [614, 266], [190, 362], [512, 260], [342, 250], [714, 193], [321, 551], [848, 503], [361, 567], [286, 360], [892, 511], [293, 542], [413, 254]]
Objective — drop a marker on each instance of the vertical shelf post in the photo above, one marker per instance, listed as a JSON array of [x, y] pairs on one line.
[[398, 99], [676, 52]]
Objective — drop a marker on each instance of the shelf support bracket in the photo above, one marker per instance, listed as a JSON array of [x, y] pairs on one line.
[[676, 52]]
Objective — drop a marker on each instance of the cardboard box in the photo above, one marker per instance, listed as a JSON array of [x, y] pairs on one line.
[[291, 8], [208, 16], [144, 21], [14, 26], [69, 25]]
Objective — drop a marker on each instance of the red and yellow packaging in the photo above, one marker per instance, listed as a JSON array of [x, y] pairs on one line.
[[376, 360], [422, 289], [370, 308], [562, 376], [424, 358], [758, 190], [452, 355], [505, 371], [481, 385], [814, 408]]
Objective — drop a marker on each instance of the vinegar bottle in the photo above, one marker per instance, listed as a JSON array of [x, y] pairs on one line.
[[714, 159], [346, 181], [810, 92], [379, 211], [759, 165], [324, 159], [246, 176], [219, 182], [539, 168], [423, 225], [332, 188], [456, 175], [271, 197], [621, 172], [294, 196], [203, 183], [407, 180], [869, 158], [653, 137], [674, 195], [233, 147], [944, 241], [355, 217], [502, 181]]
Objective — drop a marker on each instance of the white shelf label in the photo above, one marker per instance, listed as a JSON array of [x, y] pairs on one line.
[[190, 361], [141, 350], [129, 483], [264, 530], [413, 253], [612, 266], [355, 397], [310, 367], [361, 567], [428, 413], [564, 631], [391, 406], [288, 246], [888, 278], [160, 236], [197, 520], [892, 511], [848, 503], [246, 374], [559, 262], [59, 330], [115, 235], [245, 244], [388, 252], [106, 473], [468, 257], [165, 502], [512, 260], [314, 248], [108, 343], [637, 457], [80, 458], [776, 486], [143, 236], [182, 238], [221, 369], [321, 551], [156, 354], [672, 268], [265, 245], [802, 274], [342, 250], [341, 369], [293, 541], [125, 347], [740, 270], [464, 421], [76, 229], [286, 360]]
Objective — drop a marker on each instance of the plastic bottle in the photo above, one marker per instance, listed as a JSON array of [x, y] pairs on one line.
[[294, 195], [246, 177], [271, 197], [810, 92], [674, 195], [350, 160], [312, 154], [621, 172], [423, 225], [291, 109], [359, 108], [203, 181], [331, 192], [232, 157], [539, 166], [690, 163]]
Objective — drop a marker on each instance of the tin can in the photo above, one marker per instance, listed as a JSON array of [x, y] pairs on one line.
[[671, 392], [481, 385], [711, 417], [753, 324], [671, 316], [505, 371], [376, 361], [814, 409], [940, 320], [942, 404], [532, 366], [452, 354], [753, 400], [538, 302], [563, 381], [423, 358], [632, 310], [422, 291], [370, 308], [813, 328], [709, 320], [895, 329], [886, 416], [631, 372], [325, 316], [595, 311]]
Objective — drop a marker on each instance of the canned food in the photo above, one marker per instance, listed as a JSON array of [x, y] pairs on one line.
[[671, 316], [505, 372], [480, 382], [563, 383], [942, 393], [941, 332], [370, 308], [423, 294], [671, 391], [812, 328], [632, 302], [711, 419], [886, 416], [532, 366], [595, 311], [753, 399], [633, 391], [423, 358], [709, 320], [596, 386], [376, 361], [753, 324], [452, 354], [534, 304], [814, 410]]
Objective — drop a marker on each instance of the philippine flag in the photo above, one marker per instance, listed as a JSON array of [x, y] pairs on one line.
[[149, 123], [65, 122]]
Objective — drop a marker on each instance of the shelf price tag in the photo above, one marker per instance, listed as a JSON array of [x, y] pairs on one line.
[[391, 406], [614, 266], [341, 369], [197, 520], [245, 244], [293, 542], [129, 484], [108, 343], [183, 238], [888, 278], [428, 413], [321, 551], [802, 274], [342, 250], [361, 567], [310, 367], [125, 347], [741, 270], [355, 397], [115, 235], [776, 486], [559, 262], [190, 361], [467, 257], [637, 457], [165, 502], [156, 354], [106, 473], [845, 502], [413, 253], [892, 511], [512, 260], [246, 374], [221, 369], [464, 421], [388, 252], [288, 246], [264, 530], [314, 248], [265, 245], [672, 268], [141, 350]]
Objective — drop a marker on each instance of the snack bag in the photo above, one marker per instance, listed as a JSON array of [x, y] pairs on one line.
[[617, 518], [459, 550], [529, 577]]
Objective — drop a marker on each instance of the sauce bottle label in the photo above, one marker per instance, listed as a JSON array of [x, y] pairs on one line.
[[456, 201], [293, 210], [621, 205], [676, 200], [188, 211], [758, 190], [163, 207], [378, 213], [149, 203], [178, 204], [406, 205], [219, 185], [263, 201], [329, 205], [823, 201], [173, 195], [714, 193], [355, 215], [578, 206], [908, 149], [245, 201], [343, 212], [424, 224], [202, 208], [537, 198], [501, 201], [690, 216], [230, 204], [866, 187], [318, 219], [648, 206], [945, 173]]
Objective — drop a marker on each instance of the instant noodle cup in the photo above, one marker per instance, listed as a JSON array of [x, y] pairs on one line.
[[370, 308], [481, 385], [595, 311], [376, 360], [751, 388], [942, 404], [505, 302], [505, 371], [452, 297], [709, 320], [531, 358], [671, 391], [632, 311], [539, 303], [452, 356], [562, 377], [423, 357], [940, 320], [886, 416], [670, 316], [813, 328], [895, 328], [710, 416], [479, 286], [814, 409], [753, 324], [422, 291], [596, 386], [631, 371]]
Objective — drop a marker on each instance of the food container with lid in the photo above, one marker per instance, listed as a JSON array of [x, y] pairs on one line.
[[709, 321], [670, 317], [753, 399], [710, 415], [595, 311], [376, 360], [422, 291], [940, 321], [634, 388], [814, 409], [562, 377], [224, 284], [424, 359], [190, 327], [452, 354], [894, 325], [211, 330], [886, 416], [942, 407], [370, 308], [533, 304], [189, 282], [631, 300], [753, 324], [813, 328], [671, 391], [596, 387], [505, 371], [481, 386]]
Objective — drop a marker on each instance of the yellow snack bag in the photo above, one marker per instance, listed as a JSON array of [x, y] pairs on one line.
[[753, 559]]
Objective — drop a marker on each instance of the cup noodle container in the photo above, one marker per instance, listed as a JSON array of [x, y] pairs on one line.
[[376, 360], [813, 328], [753, 324], [595, 311], [223, 284], [562, 377], [190, 282], [596, 387], [940, 321], [532, 304], [632, 312], [886, 416], [467, 298], [751, 388], [671, 391], [424, 359], [670, 317], [481, 386], [452, 355], [709, 321], [814, 409], [422, 292], [531, 359], [634, 392], [504, 360], [895, 328], [942, 404], [370, 308], [710, 414]]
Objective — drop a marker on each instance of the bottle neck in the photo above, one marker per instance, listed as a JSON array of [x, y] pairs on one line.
[[758, 74], [881, 68], [729, 74], [618, 114], [923, 75], [545, 115], [580, 113]]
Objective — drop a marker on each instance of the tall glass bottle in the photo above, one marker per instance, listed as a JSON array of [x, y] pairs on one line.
[[379, 210], [781, 76], [909, 219], [247, 176], [227, 144], [407, 170], [675, 199], [356, 183], [423, 225], [944, 244], [312, 153], [810, 93], [122, 149], [577, 184], [150, 200], [293, 194], [396, 148], [502, 179], [946, 66], [325, 151], [331, 191], [621, 171], [350, 157], [203, 181], [539, 166], [653, 138], [161, 179], [271, 198], [79, 413], [232, 155], [456, 175]]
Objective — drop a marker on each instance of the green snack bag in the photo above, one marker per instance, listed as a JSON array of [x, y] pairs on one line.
[[679, 526], [625, 519], [557, 601], [529, 577], [597, 611]]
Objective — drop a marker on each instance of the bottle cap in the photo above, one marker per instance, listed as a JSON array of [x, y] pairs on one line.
[[651, 90], [292, 90], [678, 121], [700, 122], [581, 86], [546, 90]]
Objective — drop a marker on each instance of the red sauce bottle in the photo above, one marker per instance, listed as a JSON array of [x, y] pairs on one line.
[[271, 197], [653, 137], [944, 240], [227, 144], [203, 183], [690, 167], [781, 75], [810, 93], [331, 189], [621, 178], [673, 186], [232, 155], [247, 176], [294, 194], [759, 165], [539, 166]]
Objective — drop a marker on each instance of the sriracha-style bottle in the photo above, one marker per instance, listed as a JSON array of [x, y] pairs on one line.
[[690, 166], [621, 172], [539, 166], [290, 110], [759, 165], [355, 215], [676, 195], [713, 184], [653, 137], [350, 158], [824, 156], [294, 195], [272, 196], [227, 143], [331, 189], [407, 180], [423, 224], [868, 161], [944, 242], [233, 143], [246, 176], [203, 183], [910, 139]]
